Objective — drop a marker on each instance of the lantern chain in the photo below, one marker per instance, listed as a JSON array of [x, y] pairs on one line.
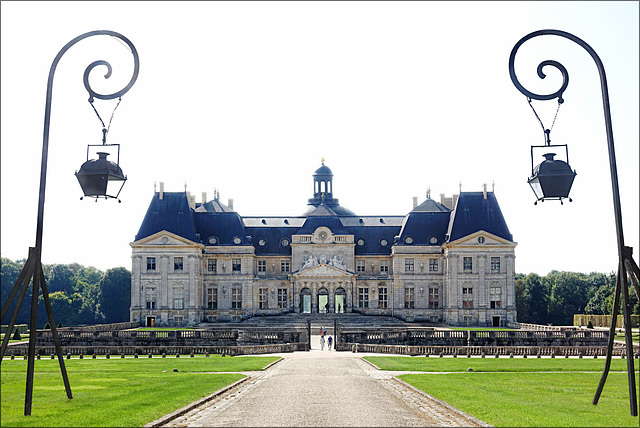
[[546, 131], [105, 129]]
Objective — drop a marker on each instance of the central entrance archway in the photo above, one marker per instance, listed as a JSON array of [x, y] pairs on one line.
[[340, 298], [323, 301], [305, 300]]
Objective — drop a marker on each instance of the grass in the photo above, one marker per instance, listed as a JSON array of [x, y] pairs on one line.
[[523, 392], [115, 392], [23, 338]]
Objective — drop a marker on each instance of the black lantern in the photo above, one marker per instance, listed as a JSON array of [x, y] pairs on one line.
[[552, 179], [101, 177]]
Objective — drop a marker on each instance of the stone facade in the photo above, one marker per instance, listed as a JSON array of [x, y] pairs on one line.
[[450, 262]]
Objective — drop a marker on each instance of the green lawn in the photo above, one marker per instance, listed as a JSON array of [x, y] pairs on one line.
[[115, 392], [523, 392]]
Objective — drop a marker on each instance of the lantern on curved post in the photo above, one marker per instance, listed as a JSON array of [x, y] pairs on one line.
[[552, 179], [94, 177]]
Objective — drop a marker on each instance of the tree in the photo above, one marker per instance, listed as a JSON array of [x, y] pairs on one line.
[[60, 278], [65, 308], [115, 296], [569, 295], [534, 300]]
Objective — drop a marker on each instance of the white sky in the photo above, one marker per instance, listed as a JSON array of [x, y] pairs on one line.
[[248, 97]]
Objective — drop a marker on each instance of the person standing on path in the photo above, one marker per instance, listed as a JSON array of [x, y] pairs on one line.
[[329, 341], [322, 343]]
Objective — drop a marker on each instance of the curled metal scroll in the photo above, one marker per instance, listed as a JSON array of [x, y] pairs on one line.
[[92, 93], [555, 64]]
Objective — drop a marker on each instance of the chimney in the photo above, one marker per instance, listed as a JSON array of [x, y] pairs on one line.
[[230, 204], [192, 200], [484, 190], [161, 190], [415, 202], [204, 197], [448, 202]]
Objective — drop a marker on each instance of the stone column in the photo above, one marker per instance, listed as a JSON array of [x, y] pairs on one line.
[[136, 298], [482, 299], [510, 283], [163, 289]]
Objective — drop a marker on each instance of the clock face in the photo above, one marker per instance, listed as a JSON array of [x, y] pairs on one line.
[[237, 240], [433, 240], [322, 235]]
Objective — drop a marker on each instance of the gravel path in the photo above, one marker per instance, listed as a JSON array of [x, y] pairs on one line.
[[323, 389]]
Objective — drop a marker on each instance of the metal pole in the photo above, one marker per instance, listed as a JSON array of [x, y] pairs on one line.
[[622, 276]]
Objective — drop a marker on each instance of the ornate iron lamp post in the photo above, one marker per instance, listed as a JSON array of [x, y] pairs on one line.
[[627, 268], [92, 183]]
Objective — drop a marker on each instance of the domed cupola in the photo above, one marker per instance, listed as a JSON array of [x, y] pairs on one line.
[[322, 182], [323, 192]]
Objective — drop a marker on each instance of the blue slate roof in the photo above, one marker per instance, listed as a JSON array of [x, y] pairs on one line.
[[473, 213], [428, 220], [171, 213]]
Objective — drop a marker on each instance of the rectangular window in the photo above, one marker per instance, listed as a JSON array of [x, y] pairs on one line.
[[283, 301], [467, 297], [495, 297], [384, 267], [468, 320], [433, 265], [236, 265], [263, 298], [495, 264], [383, 298], [409, 298], [262, 266], [360, 266], [434, 300], [284, 266], [363, 297], [212, 265], [178, 298], [178, 320], [467, 264], [150, 295], [236, 298], [151, 264], [408, 265], [178, 264], [212, 298]]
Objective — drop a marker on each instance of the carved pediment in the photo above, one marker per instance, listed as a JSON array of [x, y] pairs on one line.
[[163, 238], [322, 270], [481, 238]]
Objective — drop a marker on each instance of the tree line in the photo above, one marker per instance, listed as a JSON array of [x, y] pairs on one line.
[[87, 296], [79, 295], [556, 297]]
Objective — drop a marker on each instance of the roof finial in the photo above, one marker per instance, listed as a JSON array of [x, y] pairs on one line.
[[185, 186], [154, 187], [322, 160], [460, 185], [493, 186], [428, 192]]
